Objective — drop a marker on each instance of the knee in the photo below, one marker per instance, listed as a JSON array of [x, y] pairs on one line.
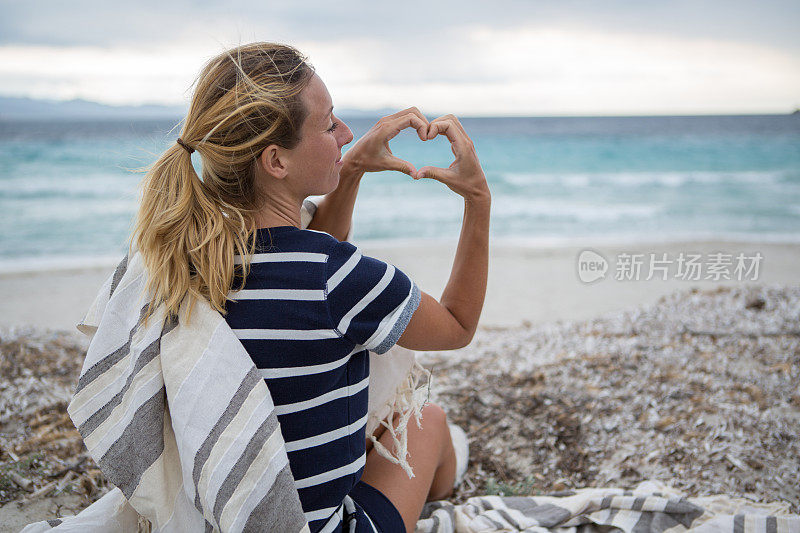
[[434, 418]]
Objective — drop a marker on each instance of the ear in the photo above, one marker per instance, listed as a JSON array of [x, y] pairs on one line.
[[273, 161]]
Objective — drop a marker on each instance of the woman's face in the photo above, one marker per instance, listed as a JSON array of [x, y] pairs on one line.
[[316, 160]]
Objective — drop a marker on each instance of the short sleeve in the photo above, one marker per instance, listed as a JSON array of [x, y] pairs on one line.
[[370, 302]]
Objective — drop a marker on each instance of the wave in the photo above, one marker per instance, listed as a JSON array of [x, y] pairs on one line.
[[85, 186], [671, 179], [507, 207], [56, 210]]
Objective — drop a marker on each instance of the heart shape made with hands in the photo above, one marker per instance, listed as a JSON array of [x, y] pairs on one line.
[[371, 153], [433, 131]]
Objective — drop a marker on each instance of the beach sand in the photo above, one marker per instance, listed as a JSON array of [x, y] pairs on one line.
[[552, 396], [526, 284]]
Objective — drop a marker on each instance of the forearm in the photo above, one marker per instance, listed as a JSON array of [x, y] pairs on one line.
[[335, 212], [466, 289]]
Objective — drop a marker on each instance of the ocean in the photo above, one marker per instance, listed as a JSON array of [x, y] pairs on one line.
[[68, 189]]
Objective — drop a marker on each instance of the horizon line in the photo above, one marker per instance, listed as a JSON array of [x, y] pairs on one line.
[[358, 113], [364, 116]]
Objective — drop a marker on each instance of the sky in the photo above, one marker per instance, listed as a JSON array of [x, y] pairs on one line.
[[471, 58]]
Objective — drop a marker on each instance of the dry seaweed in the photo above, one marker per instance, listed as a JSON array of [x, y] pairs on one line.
[[41, 452], [698, 390]]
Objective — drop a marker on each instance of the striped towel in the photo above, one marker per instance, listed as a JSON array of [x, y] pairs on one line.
[[650, 508], [178, 418]]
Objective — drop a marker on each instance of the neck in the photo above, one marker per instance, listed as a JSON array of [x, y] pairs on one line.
[[278, 212]]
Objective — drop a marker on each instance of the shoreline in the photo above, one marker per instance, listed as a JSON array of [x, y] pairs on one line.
[[527, 284], [58, 263]]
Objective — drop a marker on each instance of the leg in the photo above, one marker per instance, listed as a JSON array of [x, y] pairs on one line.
[[431, 457]]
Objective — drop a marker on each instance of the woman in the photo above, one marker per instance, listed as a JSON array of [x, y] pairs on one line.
[[306, 306]]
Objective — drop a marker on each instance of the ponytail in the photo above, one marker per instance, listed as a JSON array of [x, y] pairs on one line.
[[191, 243], [189, 230]]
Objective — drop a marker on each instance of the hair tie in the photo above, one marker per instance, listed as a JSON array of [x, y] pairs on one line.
[[185, 146]]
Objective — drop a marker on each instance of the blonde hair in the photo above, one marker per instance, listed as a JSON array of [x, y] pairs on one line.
[[189, 230]]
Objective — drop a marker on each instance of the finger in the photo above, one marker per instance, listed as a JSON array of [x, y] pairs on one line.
[[436, 173], [413, 110], [453, 119], [432, 129], [458, 139], [409, 120], [395, 163]]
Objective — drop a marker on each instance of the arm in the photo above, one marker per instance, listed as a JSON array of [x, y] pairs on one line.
[[451, 322], [370, 154]]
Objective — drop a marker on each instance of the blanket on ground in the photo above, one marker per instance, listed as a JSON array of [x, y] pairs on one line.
[[651, 507]]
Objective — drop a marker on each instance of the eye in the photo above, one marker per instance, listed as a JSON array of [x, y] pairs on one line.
[[333, 127]]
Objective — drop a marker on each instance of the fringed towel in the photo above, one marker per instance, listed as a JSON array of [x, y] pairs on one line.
[[178, 419], [651, 508]]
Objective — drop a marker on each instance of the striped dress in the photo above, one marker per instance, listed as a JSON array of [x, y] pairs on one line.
[[310, 310]]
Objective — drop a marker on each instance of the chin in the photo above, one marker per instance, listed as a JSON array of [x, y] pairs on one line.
[[331, 185]]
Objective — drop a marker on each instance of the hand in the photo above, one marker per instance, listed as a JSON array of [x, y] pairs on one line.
[[371, 153], [464, 176]]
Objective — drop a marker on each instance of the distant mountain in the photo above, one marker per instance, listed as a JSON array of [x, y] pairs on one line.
[[12, 108], [32, 109]]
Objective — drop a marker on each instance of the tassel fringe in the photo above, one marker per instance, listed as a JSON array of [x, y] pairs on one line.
[[409, 399]]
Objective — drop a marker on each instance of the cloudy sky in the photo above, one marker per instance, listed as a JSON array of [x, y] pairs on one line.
[[496, 57]]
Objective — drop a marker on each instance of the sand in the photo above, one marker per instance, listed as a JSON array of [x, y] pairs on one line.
[[526, 284]]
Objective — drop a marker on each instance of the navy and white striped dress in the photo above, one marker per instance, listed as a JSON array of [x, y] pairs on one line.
[[311, 309]]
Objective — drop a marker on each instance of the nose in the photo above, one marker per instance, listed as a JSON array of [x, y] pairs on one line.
[[346, 135]]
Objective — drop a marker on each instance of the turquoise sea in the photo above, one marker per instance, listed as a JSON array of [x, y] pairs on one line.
[[68, 189]]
